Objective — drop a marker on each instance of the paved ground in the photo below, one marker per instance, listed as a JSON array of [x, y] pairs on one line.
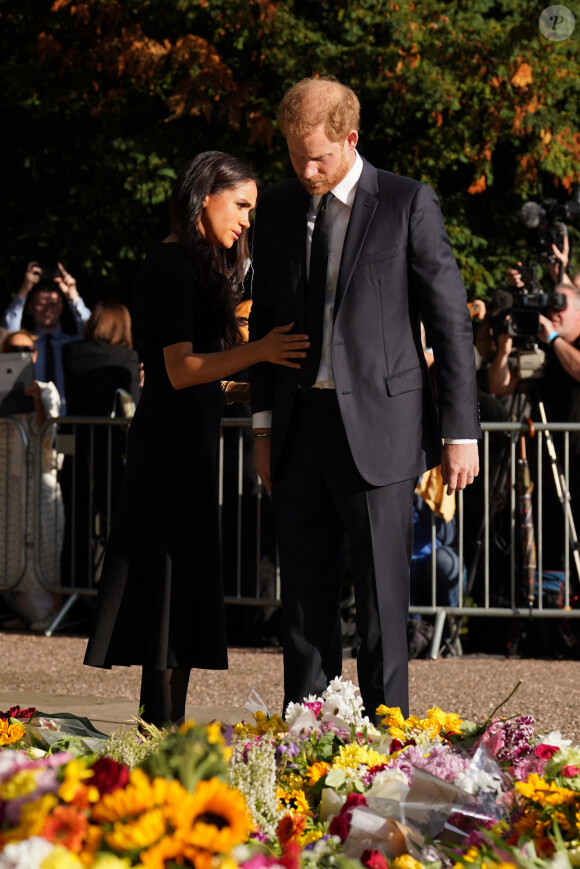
[[47, 672]]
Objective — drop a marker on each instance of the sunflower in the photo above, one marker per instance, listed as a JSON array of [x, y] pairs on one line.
[[159, 855], [144, 831], [219, 817], [140, 795], [316, 771], [293, 801]]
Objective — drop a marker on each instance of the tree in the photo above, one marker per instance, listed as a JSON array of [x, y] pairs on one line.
[[105, 99]]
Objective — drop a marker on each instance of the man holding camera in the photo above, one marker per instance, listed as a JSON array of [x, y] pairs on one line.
[[559, 388], [42, 295]]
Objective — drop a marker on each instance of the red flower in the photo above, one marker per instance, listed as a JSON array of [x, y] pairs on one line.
[[374, 860], [570, 771], [289, 828], [17, 712], [340, 826], [108, 775], [352, 801], [545, 752]]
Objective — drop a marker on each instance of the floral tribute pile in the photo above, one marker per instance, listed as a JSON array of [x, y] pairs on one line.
[[321, 787]]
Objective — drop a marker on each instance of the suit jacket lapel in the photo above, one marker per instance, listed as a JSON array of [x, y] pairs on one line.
[[295, 244], [363, 209]]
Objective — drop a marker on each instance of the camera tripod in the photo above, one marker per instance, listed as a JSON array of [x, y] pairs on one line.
[[525, 404]]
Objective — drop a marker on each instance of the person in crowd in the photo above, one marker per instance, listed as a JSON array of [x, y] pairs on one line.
[[558, 387], [356, 256], [160, 601], [101, 373], [43, 299], [32, 598]]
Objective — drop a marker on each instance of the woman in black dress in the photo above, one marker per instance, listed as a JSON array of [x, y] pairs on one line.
[[160, 601]]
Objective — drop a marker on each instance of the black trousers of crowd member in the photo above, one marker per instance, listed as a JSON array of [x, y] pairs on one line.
[[321, 507]]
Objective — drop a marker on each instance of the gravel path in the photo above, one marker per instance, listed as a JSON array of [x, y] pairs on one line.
[[470, 686]]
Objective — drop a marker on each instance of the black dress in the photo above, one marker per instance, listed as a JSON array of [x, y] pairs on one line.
[[160, 600]]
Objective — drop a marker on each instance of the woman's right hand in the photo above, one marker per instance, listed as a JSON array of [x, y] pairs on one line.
[[279, 347]]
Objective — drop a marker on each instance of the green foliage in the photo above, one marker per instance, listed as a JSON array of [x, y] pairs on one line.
[[105, 99]]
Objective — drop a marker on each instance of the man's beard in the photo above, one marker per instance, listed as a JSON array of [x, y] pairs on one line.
[[319, 186]]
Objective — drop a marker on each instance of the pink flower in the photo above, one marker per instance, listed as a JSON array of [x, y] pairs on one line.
[[314, 706], [570, 771], [546, 751]]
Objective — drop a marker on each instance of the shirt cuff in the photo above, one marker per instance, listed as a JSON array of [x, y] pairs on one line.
[[459, 440], [263, 419]]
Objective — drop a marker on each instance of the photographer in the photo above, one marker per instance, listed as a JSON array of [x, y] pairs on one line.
[[558, 388], [560, 332], [42, 293]]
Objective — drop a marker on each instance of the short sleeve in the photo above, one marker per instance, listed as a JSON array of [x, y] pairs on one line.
[[172, 294]]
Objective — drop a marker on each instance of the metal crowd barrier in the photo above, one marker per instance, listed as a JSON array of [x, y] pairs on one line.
[[14, 480], [251, 572]]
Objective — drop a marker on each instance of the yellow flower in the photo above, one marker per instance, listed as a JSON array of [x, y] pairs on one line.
[[393, 716], [144, 831], [405, 861], [227, 863], [448, 721], [186, 726], [310, 837], [545, 793], [136, 797], [316, 771], [76, 773], [214, 733], [292, 802], [10, 733], [157, 857], [109, 861], [61, 858], [21, 784], [351, 756], [220, 817]]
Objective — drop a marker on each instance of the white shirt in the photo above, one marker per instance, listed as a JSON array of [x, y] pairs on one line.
[[341, 206]]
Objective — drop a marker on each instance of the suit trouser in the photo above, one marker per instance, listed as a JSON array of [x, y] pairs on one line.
[[321, 506]]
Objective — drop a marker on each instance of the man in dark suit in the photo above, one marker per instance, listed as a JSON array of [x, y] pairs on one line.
[[341, 440]]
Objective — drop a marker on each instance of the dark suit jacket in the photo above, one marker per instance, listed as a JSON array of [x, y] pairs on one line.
[[397, 269]]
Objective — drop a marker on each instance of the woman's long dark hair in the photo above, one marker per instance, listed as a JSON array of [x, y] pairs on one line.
[[218, 268]]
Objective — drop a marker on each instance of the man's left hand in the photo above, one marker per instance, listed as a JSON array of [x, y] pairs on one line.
[[459, 466]]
